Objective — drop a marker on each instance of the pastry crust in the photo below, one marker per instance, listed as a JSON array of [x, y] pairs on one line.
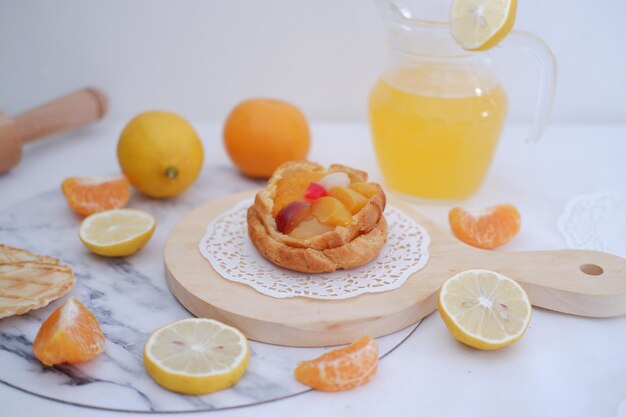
[[344, 247]]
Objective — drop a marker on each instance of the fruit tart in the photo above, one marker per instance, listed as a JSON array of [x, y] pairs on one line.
[[311, 219]]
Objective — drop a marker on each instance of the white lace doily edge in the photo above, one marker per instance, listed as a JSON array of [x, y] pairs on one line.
[[366, 290]]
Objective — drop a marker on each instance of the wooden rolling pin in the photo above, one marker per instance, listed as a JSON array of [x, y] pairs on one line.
[[65, 113]]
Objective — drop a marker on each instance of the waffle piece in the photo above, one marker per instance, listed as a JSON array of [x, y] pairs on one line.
[[9, 254], [29, 281], [26, 286]]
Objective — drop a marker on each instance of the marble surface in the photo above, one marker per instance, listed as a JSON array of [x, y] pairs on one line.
[[564, 365], [130, 298]]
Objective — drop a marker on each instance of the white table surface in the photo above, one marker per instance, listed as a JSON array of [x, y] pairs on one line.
[[564, 365]]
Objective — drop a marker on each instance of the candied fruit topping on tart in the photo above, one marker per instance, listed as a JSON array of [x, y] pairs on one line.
[[310, 228], [314, 219], [352, 200], [308, 204], [336, 179], [315, 191], [368, 190], [292, 215], [331, 211], [293, 188]]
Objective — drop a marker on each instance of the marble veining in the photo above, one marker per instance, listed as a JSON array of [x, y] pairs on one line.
[[130, 298]]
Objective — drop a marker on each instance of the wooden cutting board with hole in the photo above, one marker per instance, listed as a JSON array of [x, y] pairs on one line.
[[579, 282]]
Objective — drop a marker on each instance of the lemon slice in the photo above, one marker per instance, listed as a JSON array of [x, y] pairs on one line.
[[484, 309], [119, 232], [196, 356], [478, 25]]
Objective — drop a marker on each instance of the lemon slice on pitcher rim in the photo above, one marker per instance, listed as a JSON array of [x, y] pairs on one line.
[[196, 356], [484, 309], [119, 232], [478, 25]]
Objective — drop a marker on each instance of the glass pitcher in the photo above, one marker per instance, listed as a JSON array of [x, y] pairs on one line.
[[437, 112]]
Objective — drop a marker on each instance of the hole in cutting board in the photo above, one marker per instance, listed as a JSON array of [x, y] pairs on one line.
[[592, 269]]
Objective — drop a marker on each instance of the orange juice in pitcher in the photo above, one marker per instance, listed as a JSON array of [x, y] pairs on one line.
[[442, 143], [437, 112]]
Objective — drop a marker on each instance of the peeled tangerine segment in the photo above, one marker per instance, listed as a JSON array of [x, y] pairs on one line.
[[92, 195], [341, 369], [331, 211], [488, 229], [310, 228], [70, 335]]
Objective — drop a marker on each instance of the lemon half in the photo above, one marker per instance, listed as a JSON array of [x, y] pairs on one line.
[[120, 232], [196, 356], [484, 309], [478, 25]]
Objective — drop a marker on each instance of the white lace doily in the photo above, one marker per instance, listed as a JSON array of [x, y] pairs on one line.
[[596, 222], [227, 246]]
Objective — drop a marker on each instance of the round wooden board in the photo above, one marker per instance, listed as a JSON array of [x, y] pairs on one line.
[[553, 280], [294, 321]]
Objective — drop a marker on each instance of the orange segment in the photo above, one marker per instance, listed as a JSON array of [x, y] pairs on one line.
[[70, 335], [492, 227], [299, 181], [353, 200], [341, 369], [92, 195], [331, 211], [285, 198], [368, 190], [292, 188]]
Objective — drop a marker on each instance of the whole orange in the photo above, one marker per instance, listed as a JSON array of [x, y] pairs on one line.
[[260, 134]]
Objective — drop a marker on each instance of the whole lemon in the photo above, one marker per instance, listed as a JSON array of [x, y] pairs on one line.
[[261, 134], [160, 153]]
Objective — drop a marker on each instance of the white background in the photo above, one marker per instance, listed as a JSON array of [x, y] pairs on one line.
[[200, 57]]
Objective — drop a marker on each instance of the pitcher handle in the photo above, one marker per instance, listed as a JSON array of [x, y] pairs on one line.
[[535, 47]]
